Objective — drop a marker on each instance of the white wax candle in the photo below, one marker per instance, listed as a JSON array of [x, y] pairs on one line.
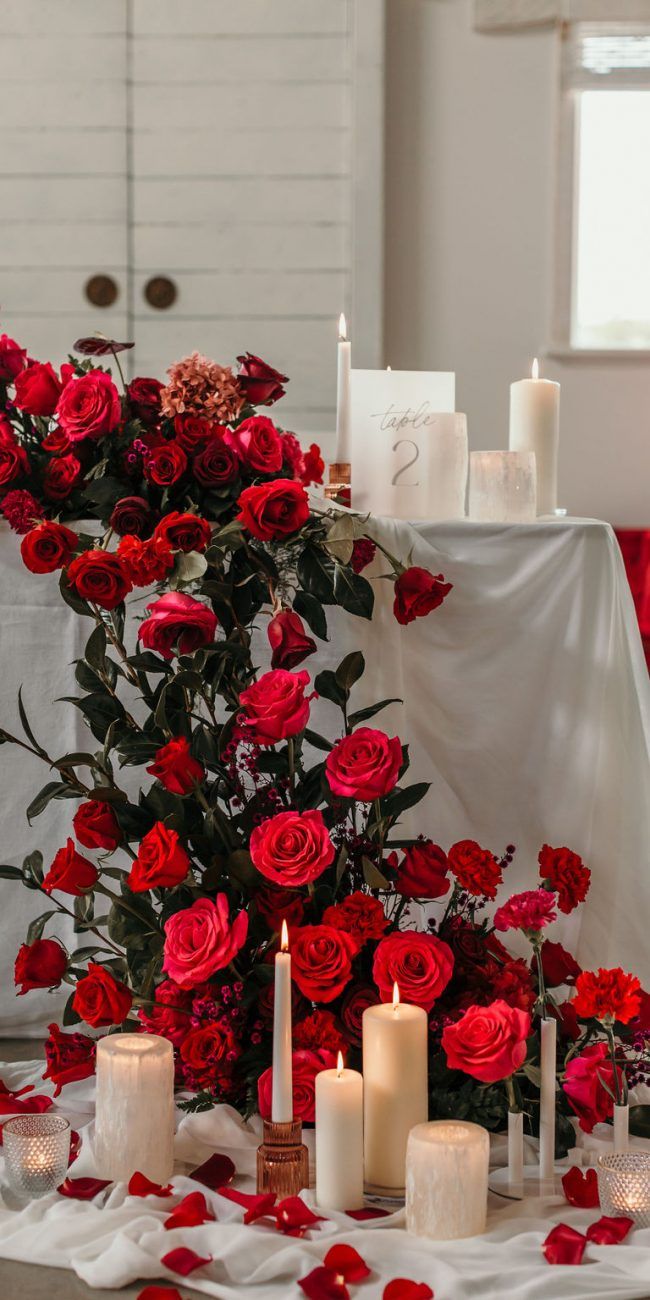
[[535, 426], [621, 1128], [515, 1149], [395, 1088], [134, 1121], [343, 451], [339, 1139], [282, 1092], [447, 1180], [547, 1099]]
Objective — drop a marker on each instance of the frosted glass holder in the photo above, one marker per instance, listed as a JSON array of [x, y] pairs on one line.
[[502, 487], [37, 1154], [624, 1186]]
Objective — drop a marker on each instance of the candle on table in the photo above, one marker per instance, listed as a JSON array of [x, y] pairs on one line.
[[548, 1053], [339, 1138], [134, 1121], [447, 1179], [502, 486], [37, 1153], [624, 1185], [395, 1088], [535, 426], [343, 395], [282, 1092]]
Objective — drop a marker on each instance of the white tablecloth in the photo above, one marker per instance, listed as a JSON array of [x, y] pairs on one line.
[[526, 704]]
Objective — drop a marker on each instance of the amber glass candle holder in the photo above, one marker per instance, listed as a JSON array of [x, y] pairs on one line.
[[282, 1159], [339, 487]]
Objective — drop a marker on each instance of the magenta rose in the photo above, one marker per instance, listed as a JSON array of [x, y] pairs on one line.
[[177, 624], [590, 1087], [292, 848], [275, 706], [488, 1043], [364, 765], [257, 443], [201, 940], [89, 407], [419, 964]]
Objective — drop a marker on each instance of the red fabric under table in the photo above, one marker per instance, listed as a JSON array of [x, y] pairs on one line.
[[635, 547]]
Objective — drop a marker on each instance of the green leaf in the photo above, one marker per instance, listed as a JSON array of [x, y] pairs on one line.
[[362, 715], [10, 873], [72, 599], [373, 876], [95, 652], [396, 803], [313, 613], [240, 867], [327, 686], [52, 790], [150, 663], [318, 742], [84, 910], [25, 724], [350, 669], [340, 538], [316, 574], [353, 592], [33, 868], [37, 926], [341, 864], [189, 567], [70, 1016]]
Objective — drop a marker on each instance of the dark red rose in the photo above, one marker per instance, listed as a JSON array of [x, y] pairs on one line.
[[100, 999], [321, 961], [56, 442], [21, 510], [47, 547], [99, 577], [417, 592], [568, 1023], [288, 640], [96, 826], [360, 915], [70, 872], [420, 964], [40, 965], [192, 430], [38, 389], [144, 399], [422, 872], [215, 465], [13, 457], [271, 511], [132, 515], [145, 562], [356, 1001], [259, 382], [175, 768], [61, 475], [12, 357], [89, 407], [208, 1054], [475, 869], [317, 1030], [170, 1014], [257, 444], [176, 622], [513, 984], [161, 862], [565, 873], [69, 1057], [277, 904], [313, 466], [305, 1066], [184, 532], [363, 554], [164, 465], [558, 965]]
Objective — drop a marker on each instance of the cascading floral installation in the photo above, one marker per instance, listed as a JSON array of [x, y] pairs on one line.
[[247, 815]]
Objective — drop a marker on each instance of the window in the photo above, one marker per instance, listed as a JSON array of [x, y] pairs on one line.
[[603, 287]]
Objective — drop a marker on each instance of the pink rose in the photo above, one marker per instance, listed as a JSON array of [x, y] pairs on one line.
[[419, 964], [531, 910], [275, 706], [257, 443], [292, 848], [177, 624], [364, 765], [201, 940], [89, 407], [488, 1043]]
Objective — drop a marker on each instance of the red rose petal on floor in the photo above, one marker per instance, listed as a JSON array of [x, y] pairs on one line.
[[346, 1261], [609, 1231], [257, 1205], [159, 1293], [403, 1289], [293, 1215], [184, 1261], [564, 1245], [190, 1212], [580, 1187], [215, 1173], [369, 1213], [75, 1146], [82, 1189], [324, 1284], [140, 1185]]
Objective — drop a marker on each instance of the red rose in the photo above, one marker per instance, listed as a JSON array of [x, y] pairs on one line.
[[275, 707], [305, 1066], [558, 966], [96, 826], [61, 475], [422, 873], [288, 640], [277, 904], [100, 999], [21, 510], [13, 457], [531, 910], [512, 982], [292, 848], [201, 939], [419, 964], [607, 995], [293, 457], [313, 466], [321, 961], [208, 1054], [99, 577], [132, 515], [363, 553], [356, 1001], [417, 592], [69, 1057], [317, 1030], [259, 382], [175, 768], [271, 511], [161, 863], [12, 357], [488, 1043], [567, 1020], [56, 442], [47, 547], [146, 561], [266, 1000], [170, 1014], [177, 624], [257, 443], [360, 915], [70, 872], [164, 465], [38, 389], [192, 430], [40, 965], [364, 765], [89, 407], [589, 1086], [564, 872], [184, 532], [144, 399], [476, 869], [215, 465]]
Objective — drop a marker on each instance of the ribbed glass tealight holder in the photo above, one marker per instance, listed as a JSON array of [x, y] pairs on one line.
[[624, 1185], [37, 1153]]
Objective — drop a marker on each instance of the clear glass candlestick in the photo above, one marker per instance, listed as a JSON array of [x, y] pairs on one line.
[[37, 1153], [502, 487], [624, 1186]]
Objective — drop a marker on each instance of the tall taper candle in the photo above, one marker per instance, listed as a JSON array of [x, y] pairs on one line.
[[548, 1053], [395, 1088], [339, 1138], [282, 1093], [535, 426], [343, 394]]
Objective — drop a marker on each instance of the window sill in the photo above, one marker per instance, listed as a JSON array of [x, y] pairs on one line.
[[563, 352]]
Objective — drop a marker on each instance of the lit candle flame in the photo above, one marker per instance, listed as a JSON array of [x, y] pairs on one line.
[[395, 996], [343, 328], [284, 938], [339, 1065], [534, 369], [389, 367]]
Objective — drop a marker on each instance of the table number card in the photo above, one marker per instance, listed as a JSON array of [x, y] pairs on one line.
[[409, 448]]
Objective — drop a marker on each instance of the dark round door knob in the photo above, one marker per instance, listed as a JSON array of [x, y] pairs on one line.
[[101, 290], [160, 292]]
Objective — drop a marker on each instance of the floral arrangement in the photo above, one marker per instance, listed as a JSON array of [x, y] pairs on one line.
[[245, 815]]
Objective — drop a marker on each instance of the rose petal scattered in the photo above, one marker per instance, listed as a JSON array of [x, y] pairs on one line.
[[215, 1173], [580, 1187], [159, 1293], [294, 1217], [257, 1205], [564, 1245], [75, 1146], [324, 1284], [609, 1231], [190, 1212], [140, 1185], [16, 1103], [184, 1261], [368, 1213], [401, 1288], [82, 1189], [346, 1261]]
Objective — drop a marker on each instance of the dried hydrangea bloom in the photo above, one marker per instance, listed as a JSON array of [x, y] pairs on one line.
[[202, 387]]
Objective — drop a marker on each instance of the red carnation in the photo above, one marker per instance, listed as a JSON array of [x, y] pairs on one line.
[[69, 1057], [275, 510], [100, 578], [96, 826], [531, 910], [70, 872], [321, 961], [184, 532], [607, 995], [100, 999], [175, 768], [363, 553], [476, 869], [47, 547], [319, 1030], [564, 872], [21, 510], [288, 640], [420, 964], [145, 562], [360, 915], [161, 863], [40, 965], [170, 1014], [417, 592]]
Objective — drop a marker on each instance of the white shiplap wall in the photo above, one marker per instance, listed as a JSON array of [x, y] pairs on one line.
[[232, 145]]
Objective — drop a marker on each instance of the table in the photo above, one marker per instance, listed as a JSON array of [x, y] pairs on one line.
[[526, 704]]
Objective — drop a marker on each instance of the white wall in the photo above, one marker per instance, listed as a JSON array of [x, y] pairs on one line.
[[470, 200]]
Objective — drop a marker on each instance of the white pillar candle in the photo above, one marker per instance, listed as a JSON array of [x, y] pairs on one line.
[[621, 1128], [515, 1149], [535, 426], [339, 1139], [134, 1122], [447, 1180], [395, 1088], [548, 1054], [343, 449], [282, 1091]]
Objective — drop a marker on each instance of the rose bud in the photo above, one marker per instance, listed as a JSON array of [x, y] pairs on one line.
[[70, 872], [96, 826], [175, 768], [288, 640], [417, 592], [260, 383], [40, 965]]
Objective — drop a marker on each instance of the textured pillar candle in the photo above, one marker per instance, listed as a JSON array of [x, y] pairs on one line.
[[134, 1122], [343, 394], [282, 1090], [339, 1139], [548, 1055], [535, 426], [502, 487], [395, 1088], [447, 1180]]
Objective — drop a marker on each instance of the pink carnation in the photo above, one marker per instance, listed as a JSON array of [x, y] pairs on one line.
[[531, 910]]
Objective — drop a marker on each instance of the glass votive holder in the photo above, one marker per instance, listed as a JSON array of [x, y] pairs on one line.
[[503, 487], [624, 1185], [447, 1179], [37, 1153]]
